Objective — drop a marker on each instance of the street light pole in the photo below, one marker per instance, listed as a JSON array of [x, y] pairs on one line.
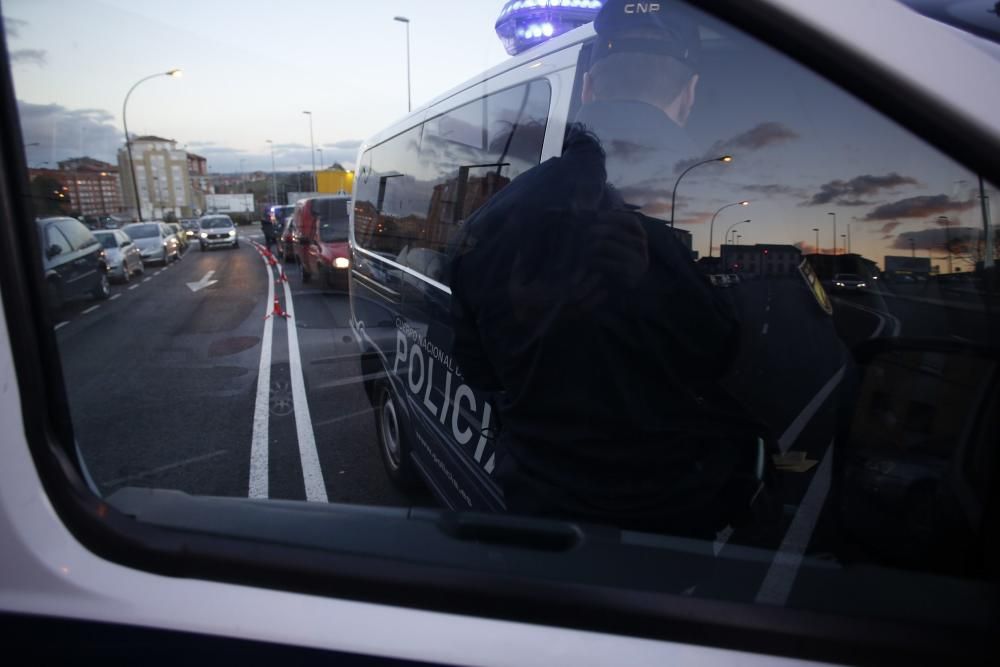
[[274, 182], [403, 19], [834, 233], [711, 226], [128, 142], [848, 238], [321, 162], [673, 195], [734, 225], [947, 237], [312, 147], [816, 229]]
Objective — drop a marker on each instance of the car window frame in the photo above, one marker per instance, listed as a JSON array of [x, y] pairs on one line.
[[184, 553]]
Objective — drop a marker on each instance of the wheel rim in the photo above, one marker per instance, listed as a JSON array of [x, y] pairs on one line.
[[126, 273], [105, 286], [390, 430]]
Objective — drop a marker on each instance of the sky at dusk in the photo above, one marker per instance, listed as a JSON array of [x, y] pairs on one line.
[[802, 148]]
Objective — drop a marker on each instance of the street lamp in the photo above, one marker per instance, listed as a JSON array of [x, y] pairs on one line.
[[321, 162], [673, 195], [816, 229], [735, 224], [274, 182], [174, 73], [711, 226], [312, 147], [403, 19], [834, 232]]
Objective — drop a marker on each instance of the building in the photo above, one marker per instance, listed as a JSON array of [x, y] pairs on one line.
[[163, 178], [93, 187], [761, 259], [335, 181], [201, 183]]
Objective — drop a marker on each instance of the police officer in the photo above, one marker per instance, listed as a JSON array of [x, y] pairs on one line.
[[588, 320]]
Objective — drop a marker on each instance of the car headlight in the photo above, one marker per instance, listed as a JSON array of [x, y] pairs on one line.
[[232, 232], [862, 285], [840, 284], [341, 262], [204, 235]]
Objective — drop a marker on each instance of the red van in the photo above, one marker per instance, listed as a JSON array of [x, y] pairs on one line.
[[321, 223]]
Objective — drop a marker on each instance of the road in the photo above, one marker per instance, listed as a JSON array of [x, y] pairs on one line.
[[187, 380], [163, 390]]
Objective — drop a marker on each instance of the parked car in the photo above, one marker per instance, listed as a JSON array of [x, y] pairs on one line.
[[322, 248], [287, 240], [73, 261], [217, 230], [122, 255], [179, 233], [156, 241], [190, 228]]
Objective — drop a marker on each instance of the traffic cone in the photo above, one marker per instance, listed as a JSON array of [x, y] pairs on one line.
[[282, 276], [277, 312]]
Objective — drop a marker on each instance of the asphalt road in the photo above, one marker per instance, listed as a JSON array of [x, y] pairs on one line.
[[162, 382]]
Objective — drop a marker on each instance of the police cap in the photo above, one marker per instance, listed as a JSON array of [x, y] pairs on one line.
[[662, 28]]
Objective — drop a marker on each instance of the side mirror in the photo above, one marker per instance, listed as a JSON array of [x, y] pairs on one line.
[[53, 251]]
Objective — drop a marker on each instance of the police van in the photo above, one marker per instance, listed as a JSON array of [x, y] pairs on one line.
[[417, 182]]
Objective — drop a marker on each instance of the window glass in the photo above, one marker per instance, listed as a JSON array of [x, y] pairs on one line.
[[54, 237], [736, 306], [78, 235]]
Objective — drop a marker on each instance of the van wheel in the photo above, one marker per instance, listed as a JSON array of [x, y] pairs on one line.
[[393, 446]]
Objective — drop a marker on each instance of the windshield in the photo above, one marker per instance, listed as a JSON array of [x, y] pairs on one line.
[[333, 218], [142, 231], [107, 240], [216, 223], [666, 282]]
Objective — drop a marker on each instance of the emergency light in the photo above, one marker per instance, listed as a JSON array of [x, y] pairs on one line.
[[526, 23]]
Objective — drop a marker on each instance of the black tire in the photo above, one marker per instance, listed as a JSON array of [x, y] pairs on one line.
[[103, 289], [53, 294], [393, 446]]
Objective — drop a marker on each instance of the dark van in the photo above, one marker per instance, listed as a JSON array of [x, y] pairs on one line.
[[321, 223], [73, 261]]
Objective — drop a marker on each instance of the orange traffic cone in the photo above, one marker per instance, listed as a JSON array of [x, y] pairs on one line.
[[277, 312], [282, 276]]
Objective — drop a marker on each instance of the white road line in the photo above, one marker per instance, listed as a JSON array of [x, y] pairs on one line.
[[259, 486], [116, 296], [794, 429], [787, 560], [158, 272], [157, 471], [91, 309], [147, 279], [134, 287], [312, 474], [767, 309], [59, 326], [764, 330]]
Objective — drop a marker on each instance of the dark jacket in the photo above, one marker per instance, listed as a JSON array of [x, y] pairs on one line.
[[604, 345]]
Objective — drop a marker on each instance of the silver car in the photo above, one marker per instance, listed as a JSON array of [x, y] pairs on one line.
[[217, 230], [123, 257], [156, 241]]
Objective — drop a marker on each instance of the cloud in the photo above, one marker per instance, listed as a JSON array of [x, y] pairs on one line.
[[889, 226], [918, 207], [756, 138], [773, 189], [346, 144], [961, 239], [61, 132], [28, 57], [852, 192], [13, 26]]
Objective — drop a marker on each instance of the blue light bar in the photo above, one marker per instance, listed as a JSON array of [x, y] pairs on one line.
[[525, 23]]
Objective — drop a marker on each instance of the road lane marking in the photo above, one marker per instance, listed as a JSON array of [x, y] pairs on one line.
[[787, 560], [259, 487], [116, 296], [158, 272], [134, 287], [767, 309], [91, 309], [147, 279], [206, 281], [162, 469], [883, 318], [764, 330], [312, 474], [60, 326], [350, 415], [795, 429]]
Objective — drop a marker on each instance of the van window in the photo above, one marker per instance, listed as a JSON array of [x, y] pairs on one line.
[[420, 185], [333, 218], [54, 237]]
